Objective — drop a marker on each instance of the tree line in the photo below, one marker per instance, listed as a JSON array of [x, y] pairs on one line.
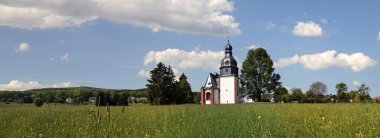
[[78, 95], [317, 93], [259, 82]]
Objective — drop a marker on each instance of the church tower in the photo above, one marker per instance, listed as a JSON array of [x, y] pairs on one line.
[[222, 88], [229, 79]]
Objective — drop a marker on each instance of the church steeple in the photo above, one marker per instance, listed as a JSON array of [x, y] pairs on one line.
[[228, 47], [228, 65]]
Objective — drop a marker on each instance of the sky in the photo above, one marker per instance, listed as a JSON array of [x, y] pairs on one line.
[[114, 44]]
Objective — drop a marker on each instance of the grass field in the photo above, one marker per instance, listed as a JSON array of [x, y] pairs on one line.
[[244, 120]]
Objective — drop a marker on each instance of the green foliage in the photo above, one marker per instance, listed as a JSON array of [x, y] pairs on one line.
[[363, 91], [79, 95], [316, 92], [38, 102], [257, 75], [161, 85], [280, 93], [297, 95], [185, 89], [113, 99], [341, 92], [164, 89], [195, 121]]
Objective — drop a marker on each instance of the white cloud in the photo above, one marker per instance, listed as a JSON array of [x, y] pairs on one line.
[[144, 73], [177, 73], [356, 83], [253, 46], [43, 14], [270, 25], [185, 59], [378, 36], [324, 21], [190, 16], [307, 29], [23, 47], [65, 58], [20, 85], [355, 61]]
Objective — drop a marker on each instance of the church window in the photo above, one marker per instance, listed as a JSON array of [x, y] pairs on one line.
[[226, 70], [226, 62], [208, 96]]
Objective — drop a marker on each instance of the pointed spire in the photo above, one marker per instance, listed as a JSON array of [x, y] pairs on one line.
[[228, 37]]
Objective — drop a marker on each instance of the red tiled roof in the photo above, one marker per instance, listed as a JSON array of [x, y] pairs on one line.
[[377, 98]]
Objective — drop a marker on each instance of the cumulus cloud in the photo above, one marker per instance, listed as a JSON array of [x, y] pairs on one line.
[[144, 73], [185, 59], [307, 29], [253, 46], [355, 61], [65, 58], [16, 85], [190, 16], [356, 83], [23, 47]]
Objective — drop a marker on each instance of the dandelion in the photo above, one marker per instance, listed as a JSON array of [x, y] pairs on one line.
[[258, 117]]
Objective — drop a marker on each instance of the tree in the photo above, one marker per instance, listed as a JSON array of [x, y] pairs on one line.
[[162, 85], [363, 92], [317, 90], [281, 92], [257, 75], [354, 96], [38, 102], [297, 95], [341, 91], [115, 98], [100, 99], [185, 89], [124, 99]]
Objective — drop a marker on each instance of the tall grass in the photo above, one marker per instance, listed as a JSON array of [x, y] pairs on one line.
[[244, 120]]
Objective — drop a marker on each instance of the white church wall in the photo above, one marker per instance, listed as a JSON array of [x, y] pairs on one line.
[[227, 90]]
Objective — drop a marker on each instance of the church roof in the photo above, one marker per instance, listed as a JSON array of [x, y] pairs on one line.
[[228, 59], [228, 46], [211, 81]]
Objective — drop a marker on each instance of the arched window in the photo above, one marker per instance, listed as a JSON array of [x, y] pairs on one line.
[[208, 96]]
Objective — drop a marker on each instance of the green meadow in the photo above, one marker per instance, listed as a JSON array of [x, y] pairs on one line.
[[242, 120]]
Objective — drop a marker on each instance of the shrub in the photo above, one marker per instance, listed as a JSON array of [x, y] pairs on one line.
[[38, 102]]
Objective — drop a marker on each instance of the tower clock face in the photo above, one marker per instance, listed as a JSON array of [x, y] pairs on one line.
[[226, 62]]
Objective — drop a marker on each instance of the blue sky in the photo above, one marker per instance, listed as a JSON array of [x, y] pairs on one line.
[[114, 44]]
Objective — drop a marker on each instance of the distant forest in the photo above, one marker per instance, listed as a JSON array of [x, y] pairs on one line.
[[78, 95]]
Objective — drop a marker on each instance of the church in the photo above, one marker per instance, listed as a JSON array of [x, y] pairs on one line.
[[222, 88]]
